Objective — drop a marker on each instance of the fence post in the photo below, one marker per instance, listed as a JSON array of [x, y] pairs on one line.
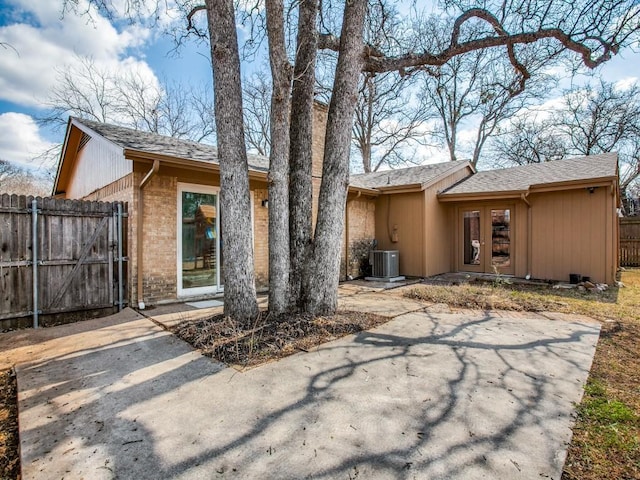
[[34, 257], [120, 272]]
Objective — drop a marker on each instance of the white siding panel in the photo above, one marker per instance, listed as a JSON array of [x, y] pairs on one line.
[[98, 163]]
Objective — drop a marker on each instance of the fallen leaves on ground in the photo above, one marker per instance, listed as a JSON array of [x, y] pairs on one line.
[[9, 456], [269, 337]]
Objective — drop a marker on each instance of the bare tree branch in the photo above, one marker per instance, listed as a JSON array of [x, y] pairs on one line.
[[576, 40]]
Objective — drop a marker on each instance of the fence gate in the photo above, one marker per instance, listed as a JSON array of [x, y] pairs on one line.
[[630, 242], [60, 257]]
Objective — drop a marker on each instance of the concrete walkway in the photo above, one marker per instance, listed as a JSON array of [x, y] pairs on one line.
[[428, 395]]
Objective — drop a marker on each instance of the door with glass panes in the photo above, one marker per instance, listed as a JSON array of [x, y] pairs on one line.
[[199, 240], [486, 240]]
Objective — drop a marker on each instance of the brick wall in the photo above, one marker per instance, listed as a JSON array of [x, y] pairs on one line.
[[159, 239], [261, 239], [160, 235], [362, 230]]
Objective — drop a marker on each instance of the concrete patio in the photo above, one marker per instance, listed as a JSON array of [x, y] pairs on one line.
[[431, 394]]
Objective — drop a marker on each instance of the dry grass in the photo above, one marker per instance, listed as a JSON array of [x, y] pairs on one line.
[[270, 338], [9, 457], [606, 436]]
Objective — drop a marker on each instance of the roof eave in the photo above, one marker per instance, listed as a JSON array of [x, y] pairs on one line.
[[571, 184], [406, 188], [63, 153], [471, 196], [364, 190], [189, 164]]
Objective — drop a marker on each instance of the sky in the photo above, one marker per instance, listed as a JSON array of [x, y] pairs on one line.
[[37, 41]]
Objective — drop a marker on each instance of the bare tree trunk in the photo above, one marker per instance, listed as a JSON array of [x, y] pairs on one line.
[[365, 151], [322, 274], [300, 182], [371, 98], [281, 72], [235, 204]]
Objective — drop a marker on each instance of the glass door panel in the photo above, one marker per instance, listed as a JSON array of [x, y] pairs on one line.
[[471, 225], [485, 240], [501, 238], [199, 266]]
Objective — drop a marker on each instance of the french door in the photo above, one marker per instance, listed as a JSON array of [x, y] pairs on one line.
[[486, 240]]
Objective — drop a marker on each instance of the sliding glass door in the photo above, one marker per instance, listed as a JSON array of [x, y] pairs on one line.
[[199, 240]]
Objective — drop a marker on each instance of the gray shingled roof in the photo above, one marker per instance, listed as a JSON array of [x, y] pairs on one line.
[[423, 174], [155, 143], [523, 177]]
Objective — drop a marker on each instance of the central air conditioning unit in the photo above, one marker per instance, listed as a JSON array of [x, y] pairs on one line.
[[385, 263]]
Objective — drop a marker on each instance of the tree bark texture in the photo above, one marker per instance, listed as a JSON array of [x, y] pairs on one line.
[[300, 161], [322, 273], [240, 292], [281, 72]]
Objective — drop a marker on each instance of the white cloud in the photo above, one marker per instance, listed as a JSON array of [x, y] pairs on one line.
[[47, 42], [20, 141]]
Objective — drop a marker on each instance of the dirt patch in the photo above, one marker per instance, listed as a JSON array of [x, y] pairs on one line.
[[9, 454], [270, 338], [486, 297]]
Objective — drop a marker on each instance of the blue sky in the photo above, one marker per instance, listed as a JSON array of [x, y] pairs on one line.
[[42, 41]]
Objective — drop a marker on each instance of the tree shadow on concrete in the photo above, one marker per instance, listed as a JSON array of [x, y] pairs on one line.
[[492, 397], [426, 396]]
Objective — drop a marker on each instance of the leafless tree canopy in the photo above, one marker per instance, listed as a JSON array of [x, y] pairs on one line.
[[390, 119], [528, 140], [19, 180], [131, 99], [594, 30], [482, 88], [256, 103], [591, 120]]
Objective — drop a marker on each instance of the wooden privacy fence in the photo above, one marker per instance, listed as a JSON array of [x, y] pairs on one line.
[[59, 256], [630, 242]]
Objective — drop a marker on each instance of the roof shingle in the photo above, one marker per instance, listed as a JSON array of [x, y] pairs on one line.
[[155, 143], [522, 178], [423, 174]]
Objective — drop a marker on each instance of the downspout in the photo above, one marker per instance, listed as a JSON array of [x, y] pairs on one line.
[[524, 196], [140, 223], [346, 235]]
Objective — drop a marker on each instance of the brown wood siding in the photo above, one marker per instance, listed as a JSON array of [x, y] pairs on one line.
[[438, 234], [97, 164], [406, 211], [570, 232], [520, 240]]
